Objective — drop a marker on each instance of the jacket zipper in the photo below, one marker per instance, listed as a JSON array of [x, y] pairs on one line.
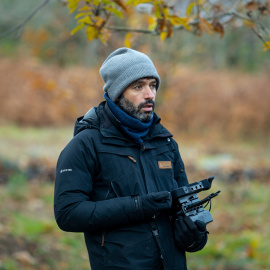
[[142, 169]]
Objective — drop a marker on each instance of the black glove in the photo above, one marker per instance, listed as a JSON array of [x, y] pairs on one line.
[[151, 204], [190, 236]]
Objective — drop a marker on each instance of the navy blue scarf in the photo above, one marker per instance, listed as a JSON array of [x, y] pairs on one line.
[[133, 127]]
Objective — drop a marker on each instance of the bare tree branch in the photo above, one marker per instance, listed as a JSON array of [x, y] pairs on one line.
[[127, 29], [179, 27], [258, 35], [194, 22], [20, 26]]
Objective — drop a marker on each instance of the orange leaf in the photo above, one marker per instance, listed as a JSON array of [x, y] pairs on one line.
[[99, 21], [218, 27], [160, 24], [205, 26], [251, 5], [169, 29], [104, 36], [121, 4]]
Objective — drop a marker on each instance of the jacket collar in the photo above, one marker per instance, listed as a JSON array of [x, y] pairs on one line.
[[111, 132]]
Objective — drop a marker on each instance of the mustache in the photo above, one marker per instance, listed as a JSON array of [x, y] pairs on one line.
[[148, 101]]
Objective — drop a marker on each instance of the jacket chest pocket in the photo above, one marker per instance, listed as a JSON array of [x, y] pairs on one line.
[[160, 167], [163, 158], [119, 171]]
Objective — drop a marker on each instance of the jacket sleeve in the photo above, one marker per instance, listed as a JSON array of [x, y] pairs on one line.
[[73, 208]]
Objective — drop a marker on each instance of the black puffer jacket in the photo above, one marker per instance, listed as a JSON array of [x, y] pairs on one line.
[[98, 172]]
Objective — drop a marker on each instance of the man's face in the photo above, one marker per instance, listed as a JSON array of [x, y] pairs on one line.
[[138, 100]]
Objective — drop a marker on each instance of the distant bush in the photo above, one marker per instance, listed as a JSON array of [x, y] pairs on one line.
[[220, 102], [189, 101]]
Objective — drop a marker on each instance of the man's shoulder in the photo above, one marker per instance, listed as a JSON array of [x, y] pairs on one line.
[[158, 129], [90, 121], [87, 133]]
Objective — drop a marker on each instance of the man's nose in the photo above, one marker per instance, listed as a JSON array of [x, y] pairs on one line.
[[149, 93]]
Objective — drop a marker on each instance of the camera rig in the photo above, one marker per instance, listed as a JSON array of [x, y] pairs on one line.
[[187, 203]]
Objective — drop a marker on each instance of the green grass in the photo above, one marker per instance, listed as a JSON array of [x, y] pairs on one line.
[[29, 219], [19, 144], [237, 238], [9, 264], [16, 186]]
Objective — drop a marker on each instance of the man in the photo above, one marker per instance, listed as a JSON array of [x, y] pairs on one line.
[[114, 178]]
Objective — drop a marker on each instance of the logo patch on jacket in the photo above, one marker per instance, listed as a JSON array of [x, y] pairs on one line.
[[165, 164]]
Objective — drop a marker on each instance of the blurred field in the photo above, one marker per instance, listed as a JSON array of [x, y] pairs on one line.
[[30, 239], [219, 118]]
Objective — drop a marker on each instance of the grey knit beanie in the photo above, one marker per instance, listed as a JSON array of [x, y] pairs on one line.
[[123, 67]]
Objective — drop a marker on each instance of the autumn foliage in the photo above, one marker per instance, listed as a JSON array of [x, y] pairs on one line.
[[162, 18], [229, 103]]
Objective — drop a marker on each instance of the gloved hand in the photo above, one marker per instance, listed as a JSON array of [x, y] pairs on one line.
[[189, 235], [151, 204]]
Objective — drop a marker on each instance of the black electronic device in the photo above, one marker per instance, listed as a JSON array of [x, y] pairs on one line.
[[185, 201]]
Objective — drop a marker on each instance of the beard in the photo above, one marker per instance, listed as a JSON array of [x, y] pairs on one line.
[[135, 111]]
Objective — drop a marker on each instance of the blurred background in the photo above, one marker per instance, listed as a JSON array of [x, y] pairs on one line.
[[214, 98]]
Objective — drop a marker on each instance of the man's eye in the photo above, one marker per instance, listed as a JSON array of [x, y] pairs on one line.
[[154, 86], [137, 87]]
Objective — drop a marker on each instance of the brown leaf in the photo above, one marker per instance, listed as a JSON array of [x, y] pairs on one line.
[[160, 25], [121, 4], [251, 5], [218, 27], [264, 9], [205, 26], [104, 36], [217, 8], [198, 29], [169, 29]]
